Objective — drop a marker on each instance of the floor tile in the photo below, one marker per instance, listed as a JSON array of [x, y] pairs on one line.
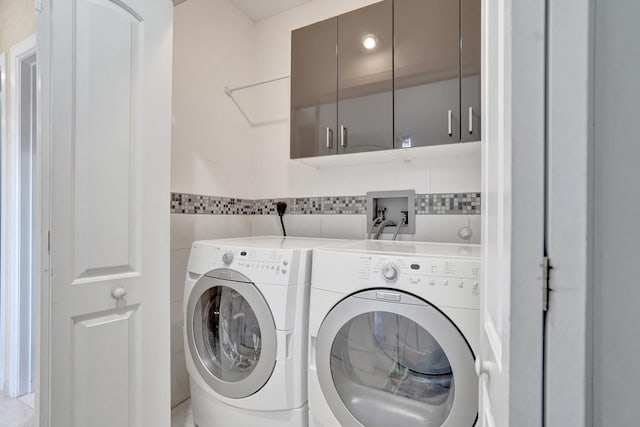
[[14, 413], [181, 415]]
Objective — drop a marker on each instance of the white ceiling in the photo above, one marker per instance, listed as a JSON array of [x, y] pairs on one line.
[[261, 9]]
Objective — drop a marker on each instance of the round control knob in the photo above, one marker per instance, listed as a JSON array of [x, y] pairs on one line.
[[227, 258], [390, 272]]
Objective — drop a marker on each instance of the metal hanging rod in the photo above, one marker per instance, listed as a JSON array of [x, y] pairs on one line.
[[230, 90]]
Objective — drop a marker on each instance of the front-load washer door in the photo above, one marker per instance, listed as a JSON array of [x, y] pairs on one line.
[[231, 333], [387, 358]]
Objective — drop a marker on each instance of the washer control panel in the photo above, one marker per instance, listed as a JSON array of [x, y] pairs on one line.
[[260, 265]]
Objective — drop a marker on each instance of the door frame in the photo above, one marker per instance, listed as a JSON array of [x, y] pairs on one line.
[[42, 274], [510, 363], [570, 87], [19, 55], [3, 204]]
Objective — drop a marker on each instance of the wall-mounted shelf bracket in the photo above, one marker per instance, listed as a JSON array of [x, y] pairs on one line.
[[230, 90]]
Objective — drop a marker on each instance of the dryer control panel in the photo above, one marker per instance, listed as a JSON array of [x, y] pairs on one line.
[[452, 282]]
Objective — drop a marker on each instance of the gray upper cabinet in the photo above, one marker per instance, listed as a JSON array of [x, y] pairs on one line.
[[365, 79], [427, 72], [470, 64], [395, 74], [313, 90]]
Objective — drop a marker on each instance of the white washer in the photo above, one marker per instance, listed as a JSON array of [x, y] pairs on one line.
[[393, 328], [246, 305]]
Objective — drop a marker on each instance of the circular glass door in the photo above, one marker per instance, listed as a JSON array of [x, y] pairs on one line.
[[401, 363], [231, 333]]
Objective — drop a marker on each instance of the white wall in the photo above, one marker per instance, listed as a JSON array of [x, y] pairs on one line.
[[214, 48]]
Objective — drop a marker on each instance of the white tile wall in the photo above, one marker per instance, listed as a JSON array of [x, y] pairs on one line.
[[239, 225], [210, 227], [181, 231], [344, 226], [304, 225], [429, 228], [179, 259], [443, 228], [455, 175], [265, 225], [179, 376], [179, 379]]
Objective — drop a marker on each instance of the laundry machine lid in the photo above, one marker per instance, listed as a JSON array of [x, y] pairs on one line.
[[385, 357], [231, 333]]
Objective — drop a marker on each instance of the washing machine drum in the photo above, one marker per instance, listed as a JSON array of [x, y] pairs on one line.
[[387, 358], [231, 333]]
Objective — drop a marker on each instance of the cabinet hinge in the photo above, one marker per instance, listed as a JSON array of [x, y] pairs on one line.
[[546, 270], [49, 241]]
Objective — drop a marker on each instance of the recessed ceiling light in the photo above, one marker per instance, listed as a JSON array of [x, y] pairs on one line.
[[369, 41]]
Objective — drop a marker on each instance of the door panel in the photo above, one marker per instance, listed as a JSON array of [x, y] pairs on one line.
[[107, 49], [496, 298], [510, 361], [107, 74], [313, 90], [365, 79], [106, 359], [427, 71]]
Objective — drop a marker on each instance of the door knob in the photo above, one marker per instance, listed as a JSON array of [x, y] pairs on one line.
[[118, 293], [483, 367]]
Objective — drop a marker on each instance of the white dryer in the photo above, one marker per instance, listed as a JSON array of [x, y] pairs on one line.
[[246, 305], [393, 327]]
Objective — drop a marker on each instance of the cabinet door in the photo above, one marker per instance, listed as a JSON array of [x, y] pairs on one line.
[[365, 79], [427, 72], [313, 90], [470, 66]]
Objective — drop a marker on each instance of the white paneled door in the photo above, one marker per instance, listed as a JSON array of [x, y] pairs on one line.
[[510, 359], [106, 109]]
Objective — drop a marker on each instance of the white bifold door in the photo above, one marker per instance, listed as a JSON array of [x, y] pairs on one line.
[[510, 359], [106, 124]]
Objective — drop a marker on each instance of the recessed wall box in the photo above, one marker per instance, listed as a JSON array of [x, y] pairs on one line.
[[393, 205]]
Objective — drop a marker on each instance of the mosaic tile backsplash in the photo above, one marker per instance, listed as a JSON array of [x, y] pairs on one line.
[[426, 204]]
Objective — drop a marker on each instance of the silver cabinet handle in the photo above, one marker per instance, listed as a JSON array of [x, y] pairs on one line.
[[329, 137], [470, 119], [449, 129], [343, 136]]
